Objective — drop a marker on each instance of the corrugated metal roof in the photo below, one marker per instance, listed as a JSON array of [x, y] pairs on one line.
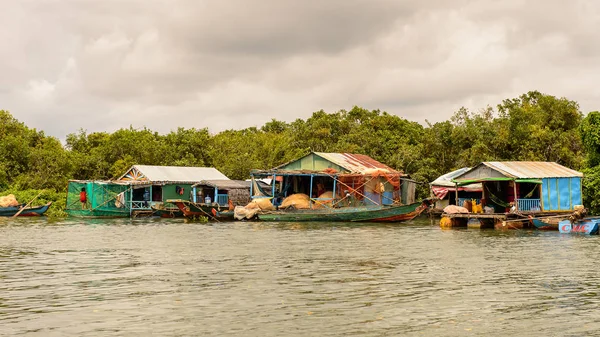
[[446, 179], [532, 169], [225, 184], [355, 163], [178, 174], [230, 184]]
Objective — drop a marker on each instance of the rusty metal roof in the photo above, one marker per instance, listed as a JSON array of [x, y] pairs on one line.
[[355, 163], [531, 169]]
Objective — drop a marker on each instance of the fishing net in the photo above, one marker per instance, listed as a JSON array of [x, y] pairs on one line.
[[100, 195]]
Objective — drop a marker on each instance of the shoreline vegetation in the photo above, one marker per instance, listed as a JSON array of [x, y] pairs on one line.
[[533, 126]]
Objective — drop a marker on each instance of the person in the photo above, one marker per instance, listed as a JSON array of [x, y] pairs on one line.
[[83, 197]]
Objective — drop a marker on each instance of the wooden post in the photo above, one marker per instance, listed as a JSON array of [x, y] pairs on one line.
[[131, 201], [515, 193], [251, 187], [456, 194], [483, 194], [310, 191]]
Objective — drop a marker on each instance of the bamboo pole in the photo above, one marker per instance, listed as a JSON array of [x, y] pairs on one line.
[[27, 205]]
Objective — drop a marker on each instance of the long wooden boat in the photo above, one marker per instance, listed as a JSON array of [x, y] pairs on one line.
[[193, 210], [98, 213], [588, 226], [27, 211], [355, 214], [168, 212]]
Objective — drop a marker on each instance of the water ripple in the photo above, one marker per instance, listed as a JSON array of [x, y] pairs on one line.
[[169, 278]]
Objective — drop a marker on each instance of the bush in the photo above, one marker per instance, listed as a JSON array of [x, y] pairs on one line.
[[57, 210], [591, 189]]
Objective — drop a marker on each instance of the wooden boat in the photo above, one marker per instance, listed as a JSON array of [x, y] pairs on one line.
[[547, 223], [588, 226], [193, 210], [167, 212], [98, 213], [27, 211], [373, 213]]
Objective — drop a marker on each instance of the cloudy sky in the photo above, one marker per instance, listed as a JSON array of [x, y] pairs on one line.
[[103, 65]]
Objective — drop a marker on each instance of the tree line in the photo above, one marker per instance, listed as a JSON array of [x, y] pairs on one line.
[[533, 126]]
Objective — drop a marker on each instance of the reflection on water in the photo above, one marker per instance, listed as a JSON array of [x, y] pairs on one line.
[[169, 278]]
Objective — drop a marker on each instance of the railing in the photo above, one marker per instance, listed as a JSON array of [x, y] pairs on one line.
[[140, 204], [529, 204], [222, 199]]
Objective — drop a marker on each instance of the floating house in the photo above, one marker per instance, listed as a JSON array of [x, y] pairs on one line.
[[324, 177], [445, 191], [222, 192], [530, 186], [154, 185], [523, 189]]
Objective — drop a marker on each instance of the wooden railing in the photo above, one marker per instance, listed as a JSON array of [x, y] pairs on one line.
[[143, 205], [529, 204]]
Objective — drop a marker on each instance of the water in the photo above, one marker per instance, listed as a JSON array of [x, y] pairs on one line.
[[170, 278]]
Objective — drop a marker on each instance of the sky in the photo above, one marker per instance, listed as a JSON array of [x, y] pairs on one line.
[[96, 65]]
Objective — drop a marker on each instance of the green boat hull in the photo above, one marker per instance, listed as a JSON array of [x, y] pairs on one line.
[[353, 214], [98, 213]]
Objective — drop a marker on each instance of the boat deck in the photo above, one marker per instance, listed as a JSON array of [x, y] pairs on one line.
[[494, 220], [502, 216]]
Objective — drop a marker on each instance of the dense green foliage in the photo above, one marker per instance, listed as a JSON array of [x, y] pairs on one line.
[[533, 126]]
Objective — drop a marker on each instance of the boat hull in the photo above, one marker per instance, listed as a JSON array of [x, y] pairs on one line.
[[171, 212], [97, 213], [547, 224], [28, 211], [353, 214], [193, 210], [589, 226]]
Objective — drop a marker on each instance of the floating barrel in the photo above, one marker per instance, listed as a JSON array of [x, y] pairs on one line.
[[475, 223]]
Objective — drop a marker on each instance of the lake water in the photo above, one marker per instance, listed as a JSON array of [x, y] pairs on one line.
[[170, 278]]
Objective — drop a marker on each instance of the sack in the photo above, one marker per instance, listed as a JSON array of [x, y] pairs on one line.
[[298, 201], [324, 203], [9, 201], [452, 209], [264, 204], [241, 212]]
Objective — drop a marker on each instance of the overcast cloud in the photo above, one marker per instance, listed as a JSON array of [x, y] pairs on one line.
[[103, 65]]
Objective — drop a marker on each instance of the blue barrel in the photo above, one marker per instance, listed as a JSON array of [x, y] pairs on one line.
[[207, 200]]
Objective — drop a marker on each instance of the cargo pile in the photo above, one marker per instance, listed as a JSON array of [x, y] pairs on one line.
[[8, 201]]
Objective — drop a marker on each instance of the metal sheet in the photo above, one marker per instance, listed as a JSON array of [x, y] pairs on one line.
[[226, 184], [446, 181], [355, 163], [532, 169], [347, 162], [175, 174]]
